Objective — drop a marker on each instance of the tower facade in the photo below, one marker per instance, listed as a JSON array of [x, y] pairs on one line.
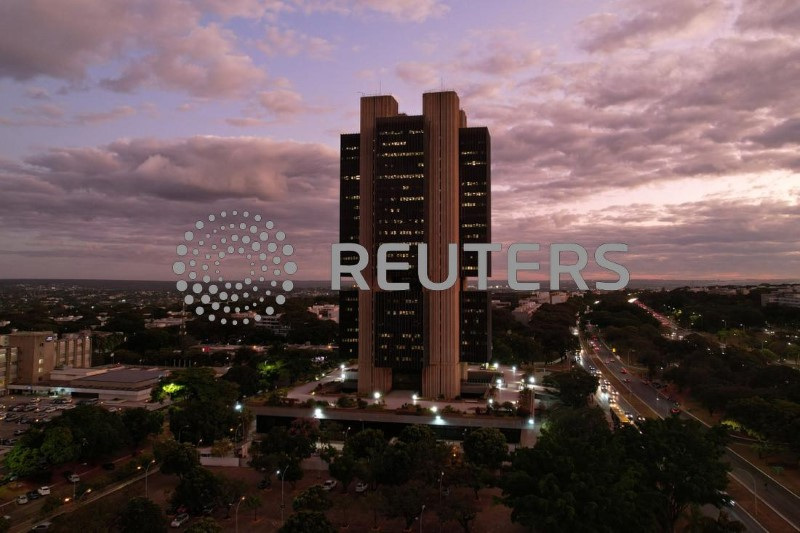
[[415, 179]]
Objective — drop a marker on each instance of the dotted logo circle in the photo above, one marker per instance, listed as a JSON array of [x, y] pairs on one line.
[[257, 288]]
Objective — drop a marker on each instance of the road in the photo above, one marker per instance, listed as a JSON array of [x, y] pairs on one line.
[[769, 491]]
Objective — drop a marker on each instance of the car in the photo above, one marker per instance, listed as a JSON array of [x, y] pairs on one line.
[[18, 432], [109, 466], [329, 484], [361, 487], [44, 491], [208, 509], [675, 411], [22, 499], [264, 483], [50, 409], [179, 520], [33, 495], [42, 526], [624, 371], [627, 380]]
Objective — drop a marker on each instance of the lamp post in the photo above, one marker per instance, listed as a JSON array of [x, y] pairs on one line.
[[146, 472], [283, 476], [441, 478], [420, 518], [236, 514]]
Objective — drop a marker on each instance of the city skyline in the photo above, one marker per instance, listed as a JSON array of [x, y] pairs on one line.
[[669, 126]]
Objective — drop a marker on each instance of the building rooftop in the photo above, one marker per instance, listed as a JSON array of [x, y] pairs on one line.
[[125, 375]]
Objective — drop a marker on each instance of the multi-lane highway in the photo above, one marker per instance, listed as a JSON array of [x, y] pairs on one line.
[[769, 491]]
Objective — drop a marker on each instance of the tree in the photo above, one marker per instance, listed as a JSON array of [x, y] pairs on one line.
[[577, 478], [176, 458], [58, 446], [486, 447], [196, 489], [406, 501], [252, 503], [343, 469], [95, 431], [141, 423], [307, 522], [246, 377], [312, 499], [685, 465], [459, 506], [23, 459], [142, 514], [205, 525], [573, 386]]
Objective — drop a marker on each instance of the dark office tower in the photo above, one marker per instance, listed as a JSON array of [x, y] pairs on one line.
[[415, 179]]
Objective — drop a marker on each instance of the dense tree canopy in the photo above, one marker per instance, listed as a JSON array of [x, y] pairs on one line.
[[582, 477], [142, 514]]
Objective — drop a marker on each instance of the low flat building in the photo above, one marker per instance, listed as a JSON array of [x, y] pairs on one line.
[[104, 383]]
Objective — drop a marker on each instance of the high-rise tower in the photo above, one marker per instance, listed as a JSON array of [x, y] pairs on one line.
[[415, 179]]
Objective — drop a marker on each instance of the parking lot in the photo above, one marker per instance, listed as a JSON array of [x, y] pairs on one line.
[[19, 413]]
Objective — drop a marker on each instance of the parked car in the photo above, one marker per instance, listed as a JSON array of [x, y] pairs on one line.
[[22, 499], [361, 487], [329, 484], [179, 520], [44, 491], [42, 526], [675, 411], [33, 495]]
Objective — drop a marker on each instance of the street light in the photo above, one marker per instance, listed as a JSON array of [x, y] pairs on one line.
[[146, 472], [420, 518], [441, 478], [283, 476], [236, 514]]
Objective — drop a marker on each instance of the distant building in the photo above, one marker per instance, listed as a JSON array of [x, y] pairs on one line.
[[524, 311], [159, 323], [40, 352], [325, 312], [274, 324], [8, 363], [784, 297]]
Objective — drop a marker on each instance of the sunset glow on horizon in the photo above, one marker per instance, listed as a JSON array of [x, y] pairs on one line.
[[671, 126]]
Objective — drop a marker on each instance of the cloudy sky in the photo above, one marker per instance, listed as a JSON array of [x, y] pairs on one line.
[[669, 125]]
